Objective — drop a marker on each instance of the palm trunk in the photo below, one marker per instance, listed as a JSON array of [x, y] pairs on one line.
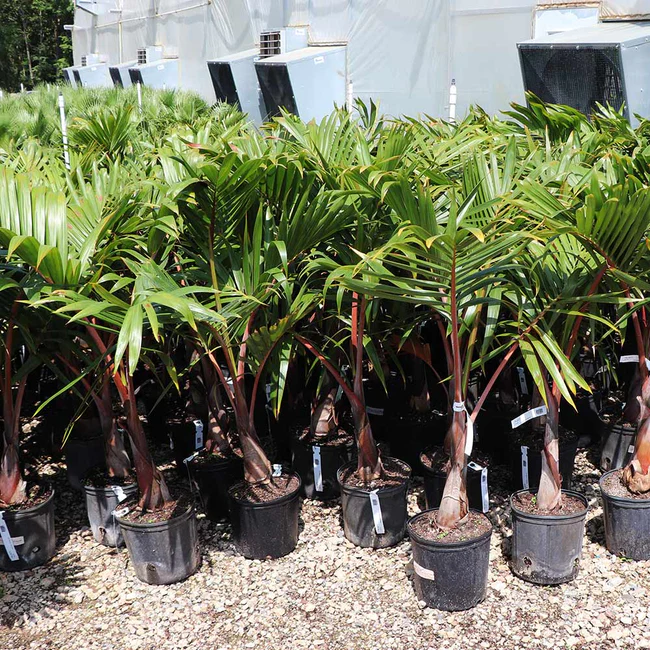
[[323, 418], [454, 505], [118, 464], [549, 494], [216, 440]]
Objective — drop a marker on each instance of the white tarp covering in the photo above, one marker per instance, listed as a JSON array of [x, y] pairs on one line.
[[625, 9], [403, 53]]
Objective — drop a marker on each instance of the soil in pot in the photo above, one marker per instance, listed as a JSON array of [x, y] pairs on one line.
[[162, 544], [547, 547], [626, 517], [434, 462], [374, 514], [618, 445], [450, 567], [29, 539], [213, 475], [265, 517], [317, 459], [411, 432], [103, 495], [526, 446]]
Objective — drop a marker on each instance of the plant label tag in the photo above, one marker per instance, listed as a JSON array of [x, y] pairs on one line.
[[524, 467], [121, 512], [7, 540], [469, 436], [371, 410], [17, 541], [522, 381], [475, 466], [277, 469], [427, 574], [318, 470], [529, 415], [267, 391], [198, 434], [119, 493], [191, 457], [633, 358], [630, 449], [485, 496], [376, 512], [171, 442]]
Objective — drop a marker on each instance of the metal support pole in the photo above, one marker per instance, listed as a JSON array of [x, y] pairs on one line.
[[64, 132]]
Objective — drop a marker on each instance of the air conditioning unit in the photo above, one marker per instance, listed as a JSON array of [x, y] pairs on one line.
[[156, 67], [120, 73], [608, 63], [68, 75], [306, 82], [282, 41], [235, 82], [93, 71]]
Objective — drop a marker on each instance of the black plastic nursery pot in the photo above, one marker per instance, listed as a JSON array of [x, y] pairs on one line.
[[450, 576], [266, 529], [410, 434], [163, 552], [307, 458], [618, 447], [434, 486], [100, 504], [567, 457], [213, 479], [627, 524], [32, 534], [359, 524], [82, 455], [546, 549]]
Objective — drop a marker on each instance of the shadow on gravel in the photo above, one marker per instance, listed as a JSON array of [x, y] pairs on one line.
[[595, 530]]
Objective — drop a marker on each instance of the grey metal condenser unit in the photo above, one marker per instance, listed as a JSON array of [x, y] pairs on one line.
[[306, 82], [156, 67], [120, 74], [68, 75], [235, 82], [608, 63]]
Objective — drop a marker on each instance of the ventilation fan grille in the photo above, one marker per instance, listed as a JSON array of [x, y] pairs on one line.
[[580, 78], [270, 44], [84, 61], [142, 56]]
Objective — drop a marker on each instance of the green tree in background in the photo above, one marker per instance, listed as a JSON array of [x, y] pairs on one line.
[[34, 48]]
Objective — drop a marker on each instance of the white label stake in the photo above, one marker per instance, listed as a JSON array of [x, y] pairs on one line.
[[630, 449], [485, 497], [64, 131], [121, 512], [119, 493], [372, 410], [522, 381], [198, 439], [7, 541], [459, 407], [318, 471], [529, 415], [376, 512], [633, 358], [277, 470], [524, 467]]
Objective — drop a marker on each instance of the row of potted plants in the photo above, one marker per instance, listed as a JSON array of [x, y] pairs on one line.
[[312, 266]]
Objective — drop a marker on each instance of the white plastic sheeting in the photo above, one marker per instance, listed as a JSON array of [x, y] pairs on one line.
[[625, 9], [403, 53]]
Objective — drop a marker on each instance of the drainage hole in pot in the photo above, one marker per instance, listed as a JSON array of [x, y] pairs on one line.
[[151, 568], [527, 561]]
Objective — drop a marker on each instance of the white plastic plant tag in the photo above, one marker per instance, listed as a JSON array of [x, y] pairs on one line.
[[524, 467], [630, 449], [427, 574], [17, 541], [376, 512], [633, 358], [529, 415], [469, 439], [121, 512], [171, 442], [191, 457], [267, 391], [198, 434], [119, 493], [277, 469], [485, 496], [475, 466], [522, 381], [318, 471], [371, 410], [7, 541]]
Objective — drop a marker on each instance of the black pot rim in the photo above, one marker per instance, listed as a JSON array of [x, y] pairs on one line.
[[549, 517], [453, 545], [105, 489], [382, 490], [266, 504], [617, 499], [132, 525], [219, 463], [25, 512]]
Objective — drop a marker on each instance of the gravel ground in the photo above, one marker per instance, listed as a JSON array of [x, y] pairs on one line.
[[326, 594]]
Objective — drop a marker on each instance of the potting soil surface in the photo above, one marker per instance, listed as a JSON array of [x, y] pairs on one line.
[[262, 492], [395, 473], [615, 487], [473, 527], [527, 502]]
